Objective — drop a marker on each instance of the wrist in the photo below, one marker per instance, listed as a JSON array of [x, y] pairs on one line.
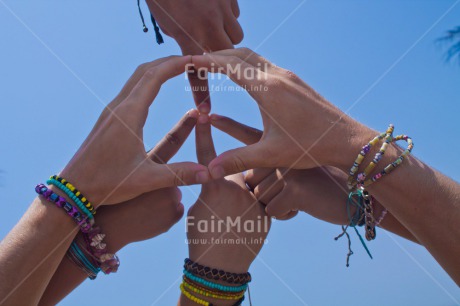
[[356, 135]]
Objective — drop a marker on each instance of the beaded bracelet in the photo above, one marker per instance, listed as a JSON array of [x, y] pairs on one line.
[[108, 262], [75, 254], [388, 169], [214, 285], [378, 156], [76, 192], [72, 211], [187, 280], [211, 294], [200, 301], [359, 159], [69, 193], [215, 274]]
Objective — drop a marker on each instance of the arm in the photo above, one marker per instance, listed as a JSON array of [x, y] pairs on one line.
[[144, 217], [31, 252], [418, 196], [221, 200], [320, 192]]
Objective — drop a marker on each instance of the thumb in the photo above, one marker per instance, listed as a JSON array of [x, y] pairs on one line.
[[179, 174], [237, 161]]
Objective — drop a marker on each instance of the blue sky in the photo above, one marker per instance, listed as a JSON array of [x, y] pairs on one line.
[[61, 62]]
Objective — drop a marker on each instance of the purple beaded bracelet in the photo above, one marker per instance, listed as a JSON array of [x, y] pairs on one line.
[[61, 202]]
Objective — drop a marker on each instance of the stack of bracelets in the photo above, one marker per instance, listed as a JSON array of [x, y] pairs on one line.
[[93, 256], [200, 283], [360, 197]]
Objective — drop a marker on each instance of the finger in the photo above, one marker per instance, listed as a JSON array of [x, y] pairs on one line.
[[255, 176], [136, 76], [173, 141], [235, 8], [238, 160], [279, 206], [205, 150], [198, 83], [145, 91], [269, 188], [236, 69], [178, 174], [234, 30], [250, 57], [288, 216], [246, 134]]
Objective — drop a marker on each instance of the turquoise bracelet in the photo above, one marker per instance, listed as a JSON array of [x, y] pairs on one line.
[[214, 285], [70, 194]]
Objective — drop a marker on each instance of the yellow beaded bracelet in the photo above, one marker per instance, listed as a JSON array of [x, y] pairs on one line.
[[192, 297], [211, 294]]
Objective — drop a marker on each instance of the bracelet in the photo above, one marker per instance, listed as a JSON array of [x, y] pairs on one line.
[[76, 192], [75, 254], [215, 274], [369, 216], [207, 293], [187, 280], [382, 216], [388, 169], [108, 262], [69, 193], [214, 285], [378, 156], [200, 301], [72, 211]]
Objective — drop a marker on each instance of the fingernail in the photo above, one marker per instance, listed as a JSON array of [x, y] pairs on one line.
[[202, 177], [193, 113], [217, 172], [203, 119], [215, 117], [204, 108]]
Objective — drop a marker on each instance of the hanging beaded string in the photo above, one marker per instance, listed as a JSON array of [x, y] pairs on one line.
[[364, 202]]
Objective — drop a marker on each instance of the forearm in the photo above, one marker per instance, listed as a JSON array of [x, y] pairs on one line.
[[424, 201], [391, 224], [44, 231]]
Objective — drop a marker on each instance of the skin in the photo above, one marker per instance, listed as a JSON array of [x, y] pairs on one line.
[[199, 26], [219, 199], [421, 198], [319, 192], [110, 167], [144, 217]]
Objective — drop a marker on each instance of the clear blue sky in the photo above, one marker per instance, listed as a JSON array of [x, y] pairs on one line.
[[378, 59]]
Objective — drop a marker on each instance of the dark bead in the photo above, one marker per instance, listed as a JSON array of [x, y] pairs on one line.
[[207, 269]]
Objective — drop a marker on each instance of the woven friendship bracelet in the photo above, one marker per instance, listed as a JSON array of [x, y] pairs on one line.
[[214, 285], [215, 274]]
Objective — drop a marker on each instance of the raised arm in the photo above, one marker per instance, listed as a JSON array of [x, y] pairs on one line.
[[302, 130], [110, 167]]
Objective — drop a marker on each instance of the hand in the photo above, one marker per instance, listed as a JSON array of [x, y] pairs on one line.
[[153, 213], [199, 26], [112, 166], [301, 129], [320, 192], [225, 199]]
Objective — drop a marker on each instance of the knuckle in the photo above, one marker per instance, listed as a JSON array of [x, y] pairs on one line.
[[179, 177], [172, 138], [289, 75], [150, 73]]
